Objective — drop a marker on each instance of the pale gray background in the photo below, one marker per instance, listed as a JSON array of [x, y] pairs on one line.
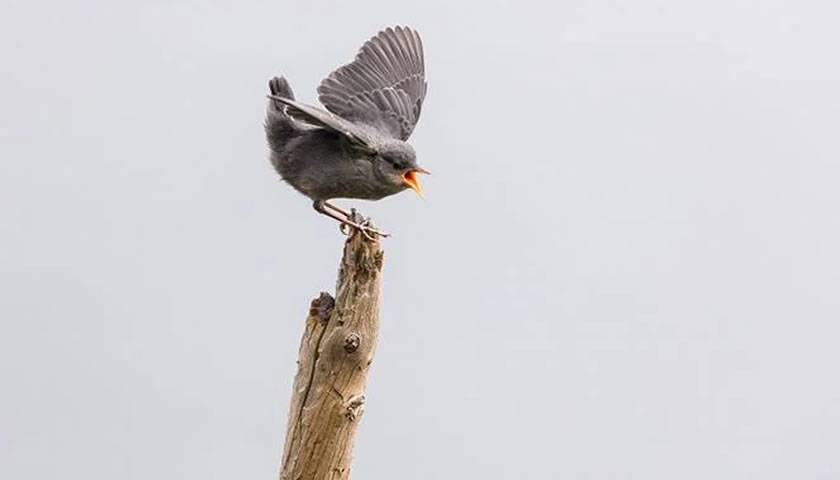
[[627, 266]]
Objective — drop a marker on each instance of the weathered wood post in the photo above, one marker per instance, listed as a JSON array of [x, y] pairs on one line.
[[336, 352]]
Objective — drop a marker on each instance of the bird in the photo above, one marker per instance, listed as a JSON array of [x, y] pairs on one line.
[[356, 146]]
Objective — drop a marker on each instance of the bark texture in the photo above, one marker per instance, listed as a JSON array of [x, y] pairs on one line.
[[335, 355]]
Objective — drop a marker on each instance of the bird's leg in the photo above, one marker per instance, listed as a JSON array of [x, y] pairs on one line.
[[348, 219], [347, 215], [338, 209]]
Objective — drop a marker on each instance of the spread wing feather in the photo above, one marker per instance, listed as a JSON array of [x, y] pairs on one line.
[[383, 87]]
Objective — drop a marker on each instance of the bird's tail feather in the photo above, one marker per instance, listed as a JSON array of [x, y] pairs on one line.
[[279, 127], [280, 87]]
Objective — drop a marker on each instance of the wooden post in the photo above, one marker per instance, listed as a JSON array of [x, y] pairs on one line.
[[335, 355]]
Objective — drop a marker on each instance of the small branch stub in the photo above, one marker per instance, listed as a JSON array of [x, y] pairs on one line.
[[355, 407], [322, 307], [328, 392]]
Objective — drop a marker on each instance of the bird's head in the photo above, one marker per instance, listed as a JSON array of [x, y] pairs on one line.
[[397, 164]]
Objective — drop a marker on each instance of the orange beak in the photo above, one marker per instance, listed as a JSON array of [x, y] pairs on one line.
[[410, 178]]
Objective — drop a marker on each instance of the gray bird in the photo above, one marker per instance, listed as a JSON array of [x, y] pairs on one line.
[[356, 148]]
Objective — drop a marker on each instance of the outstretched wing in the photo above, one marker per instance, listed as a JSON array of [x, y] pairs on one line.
[[383, 87]]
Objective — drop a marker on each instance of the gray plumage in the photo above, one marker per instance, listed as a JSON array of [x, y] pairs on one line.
[[355, 148]]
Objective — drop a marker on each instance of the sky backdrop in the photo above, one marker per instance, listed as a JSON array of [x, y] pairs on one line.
[[626, 266]]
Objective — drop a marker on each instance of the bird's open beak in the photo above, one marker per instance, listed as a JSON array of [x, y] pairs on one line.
[[410, 178]]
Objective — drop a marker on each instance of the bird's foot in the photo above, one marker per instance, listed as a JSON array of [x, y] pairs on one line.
[[368, 231], [362, 224]]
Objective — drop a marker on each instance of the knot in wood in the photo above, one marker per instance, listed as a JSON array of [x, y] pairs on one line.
[[354, 407], [351, 343]]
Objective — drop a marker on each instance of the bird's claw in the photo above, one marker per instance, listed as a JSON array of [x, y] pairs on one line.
[[364, 228], [367, 230], [362, 224], [351, 220]]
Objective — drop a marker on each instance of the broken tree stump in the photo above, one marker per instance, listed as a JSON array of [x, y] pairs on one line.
[[336, 352]]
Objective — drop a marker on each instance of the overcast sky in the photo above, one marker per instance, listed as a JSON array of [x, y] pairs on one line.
[[626, 267]]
